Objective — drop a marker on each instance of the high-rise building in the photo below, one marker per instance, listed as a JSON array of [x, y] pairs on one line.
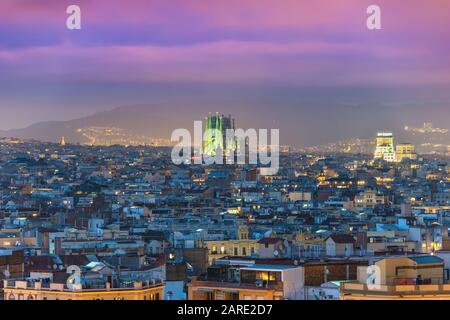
[[62, 142], [405, 151], [385, 147], [215, 135]]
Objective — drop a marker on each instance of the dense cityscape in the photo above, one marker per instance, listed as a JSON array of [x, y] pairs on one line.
[[84, 222], [223, 159]]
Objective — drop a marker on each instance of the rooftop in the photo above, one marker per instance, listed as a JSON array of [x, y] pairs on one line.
[[269, 267], [426, 259]]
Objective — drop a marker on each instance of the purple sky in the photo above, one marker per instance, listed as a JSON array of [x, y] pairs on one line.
[[144, 51]]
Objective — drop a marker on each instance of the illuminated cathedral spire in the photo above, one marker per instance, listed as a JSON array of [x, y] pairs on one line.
[[215, 134]]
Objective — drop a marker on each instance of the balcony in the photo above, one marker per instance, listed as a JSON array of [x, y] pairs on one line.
[[415, 281], [402, 286], [45, 286], [258, 285]]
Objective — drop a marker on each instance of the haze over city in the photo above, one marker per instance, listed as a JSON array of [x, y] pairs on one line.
[[311, 69]]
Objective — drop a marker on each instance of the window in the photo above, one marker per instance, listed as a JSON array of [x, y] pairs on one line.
[[154, 296], [236, 251], [269, 276], [244, 251]]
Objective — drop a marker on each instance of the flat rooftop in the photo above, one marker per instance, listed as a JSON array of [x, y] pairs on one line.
[[269, 267]]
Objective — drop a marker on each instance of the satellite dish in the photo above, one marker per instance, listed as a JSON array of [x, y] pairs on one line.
[[6, 273], [276, 253]]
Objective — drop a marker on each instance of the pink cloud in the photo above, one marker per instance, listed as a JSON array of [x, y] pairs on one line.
[[224, 61], [249, 14], [328, 42]]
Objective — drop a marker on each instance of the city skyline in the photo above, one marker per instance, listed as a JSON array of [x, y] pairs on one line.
[[139, 125], [274, 62]]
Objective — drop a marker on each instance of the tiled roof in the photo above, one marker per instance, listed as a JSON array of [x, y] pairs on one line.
[[269, 240], [342, 238]]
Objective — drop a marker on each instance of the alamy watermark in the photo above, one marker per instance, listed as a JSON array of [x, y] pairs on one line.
[[73, 21], [373, 280], [227, 147], [374, 19]]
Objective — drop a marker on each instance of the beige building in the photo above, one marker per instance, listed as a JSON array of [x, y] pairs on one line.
[[243, 246], [339, 245], [369, 199], [299, 196], [26, 290], [378, 241], [405, 151], [308, 244], [399, 278]]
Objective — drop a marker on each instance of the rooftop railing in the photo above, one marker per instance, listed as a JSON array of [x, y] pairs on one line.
[[258, 285], [400, 286], [46, 286]]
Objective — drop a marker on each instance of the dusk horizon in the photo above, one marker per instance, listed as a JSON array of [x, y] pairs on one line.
[[294, 53]]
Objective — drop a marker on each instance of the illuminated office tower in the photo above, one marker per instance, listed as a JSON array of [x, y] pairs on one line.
[[385, 147], [215, 135], [405, 151], [62, 142]]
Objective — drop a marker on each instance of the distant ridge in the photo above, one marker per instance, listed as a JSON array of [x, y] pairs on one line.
[[299, 125]]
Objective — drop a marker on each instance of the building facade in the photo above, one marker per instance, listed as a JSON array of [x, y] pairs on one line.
[[25, 290], [385, 147]]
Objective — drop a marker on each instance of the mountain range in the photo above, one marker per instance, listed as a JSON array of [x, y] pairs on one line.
[[299, 125]]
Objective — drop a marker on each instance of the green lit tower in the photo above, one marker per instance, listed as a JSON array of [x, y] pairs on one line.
[[215, 135]]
